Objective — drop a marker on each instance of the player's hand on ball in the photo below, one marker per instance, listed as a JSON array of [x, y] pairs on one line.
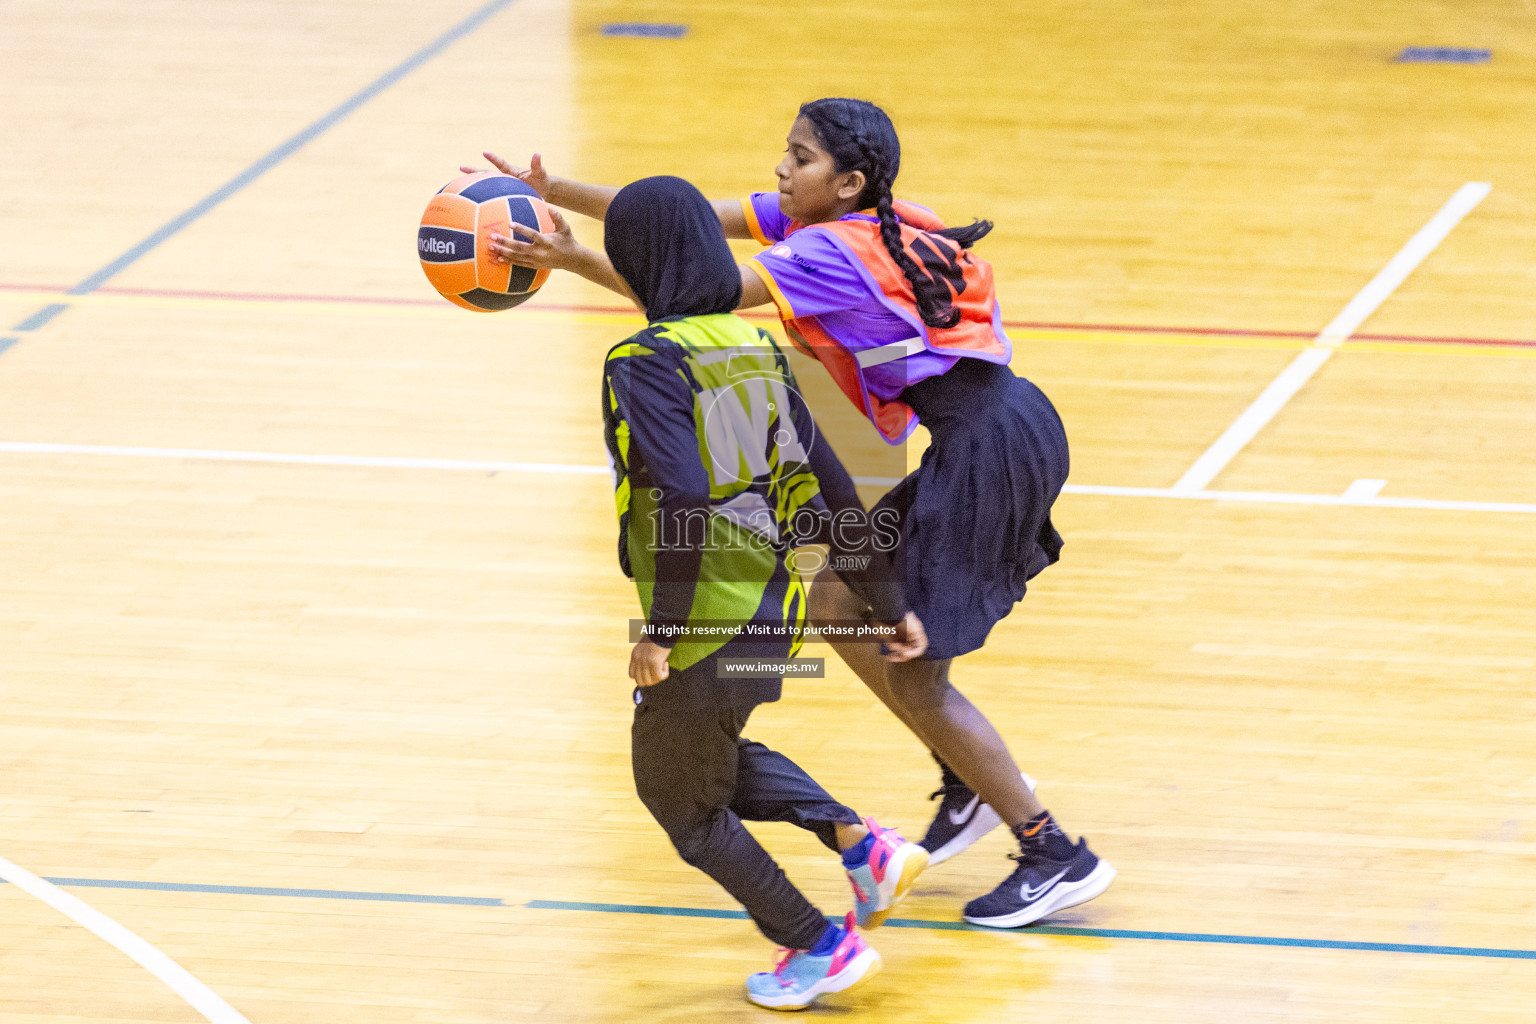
[[648, 663], [534, 175], [557, 250], [911, 640]]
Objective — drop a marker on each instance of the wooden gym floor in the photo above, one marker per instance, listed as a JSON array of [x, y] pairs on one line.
[[312, 641]]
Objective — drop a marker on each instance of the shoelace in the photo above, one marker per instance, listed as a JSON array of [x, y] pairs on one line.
[[946, 790], [1036, 858], [787, 956]]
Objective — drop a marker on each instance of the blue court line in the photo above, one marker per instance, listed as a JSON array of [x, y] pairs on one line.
[[650, 29], [1099, 933], [282, 152], [41, 317], [738, 915], [1443, 55]]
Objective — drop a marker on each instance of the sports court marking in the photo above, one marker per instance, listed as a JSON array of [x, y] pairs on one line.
[[194, 992], [1327, 342], [646, 29], [1360, 494], [1364, 489], [1353, 499], [261, 890], [361, 461], [1443, 55], [41, 317], [1100, 933], [739, 915], [199, 996], [283, 151], [1023, 330]]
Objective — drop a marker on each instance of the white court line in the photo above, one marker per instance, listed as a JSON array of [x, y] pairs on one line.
[[1291, 379], [360, 461], [1364, 489], [203, 999], [1282, 498], [289, 458], [1350, 497]]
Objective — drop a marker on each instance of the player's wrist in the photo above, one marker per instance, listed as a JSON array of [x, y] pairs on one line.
[[556, 191], [590, 264]]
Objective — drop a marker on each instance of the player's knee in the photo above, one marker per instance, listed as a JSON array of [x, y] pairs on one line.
[[916, 686], [657, 791], [697, 840], [688, 825]]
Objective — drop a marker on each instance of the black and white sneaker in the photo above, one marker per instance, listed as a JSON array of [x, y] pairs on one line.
[[1041, 886], [962, 819]]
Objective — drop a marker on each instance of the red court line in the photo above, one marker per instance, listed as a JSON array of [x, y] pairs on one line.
[[1035, 325]]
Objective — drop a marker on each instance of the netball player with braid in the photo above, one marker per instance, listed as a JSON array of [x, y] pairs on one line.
[[903, 315]]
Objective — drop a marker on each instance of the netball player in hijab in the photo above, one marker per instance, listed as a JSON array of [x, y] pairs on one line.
[[718, 470]]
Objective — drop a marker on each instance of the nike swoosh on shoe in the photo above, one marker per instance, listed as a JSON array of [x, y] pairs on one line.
[[1029, 893], [964, 814]]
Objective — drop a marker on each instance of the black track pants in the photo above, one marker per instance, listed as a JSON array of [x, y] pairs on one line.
[[701, 779]]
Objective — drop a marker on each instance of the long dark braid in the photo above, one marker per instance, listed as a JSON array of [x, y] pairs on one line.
[[860, 137]]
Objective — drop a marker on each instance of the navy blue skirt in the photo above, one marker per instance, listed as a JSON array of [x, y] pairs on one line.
[[976, 513]]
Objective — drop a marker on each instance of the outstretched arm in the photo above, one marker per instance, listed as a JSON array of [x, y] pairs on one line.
[[558, 250], [593, 200]]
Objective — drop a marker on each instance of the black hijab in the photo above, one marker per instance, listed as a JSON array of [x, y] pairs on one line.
[[665, 241]]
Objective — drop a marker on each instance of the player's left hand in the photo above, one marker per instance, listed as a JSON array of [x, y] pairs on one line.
[[911, 640], [534, 175], [557, 250], [648, 663]]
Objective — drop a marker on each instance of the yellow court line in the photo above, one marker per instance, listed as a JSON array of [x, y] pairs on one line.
[[431, 310]]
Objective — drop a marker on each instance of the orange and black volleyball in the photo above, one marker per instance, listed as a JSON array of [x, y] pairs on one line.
[[453, 241]]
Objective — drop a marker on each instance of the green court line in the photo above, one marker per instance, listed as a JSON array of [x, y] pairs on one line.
[[738, 915], [1098, 933]]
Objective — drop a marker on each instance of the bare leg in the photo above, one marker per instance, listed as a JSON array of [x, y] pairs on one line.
[[849, 836], [830, 601], [963, 737], [920, 694]]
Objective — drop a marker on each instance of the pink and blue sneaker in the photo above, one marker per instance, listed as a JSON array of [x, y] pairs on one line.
[[881, 870], [842, 961]]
